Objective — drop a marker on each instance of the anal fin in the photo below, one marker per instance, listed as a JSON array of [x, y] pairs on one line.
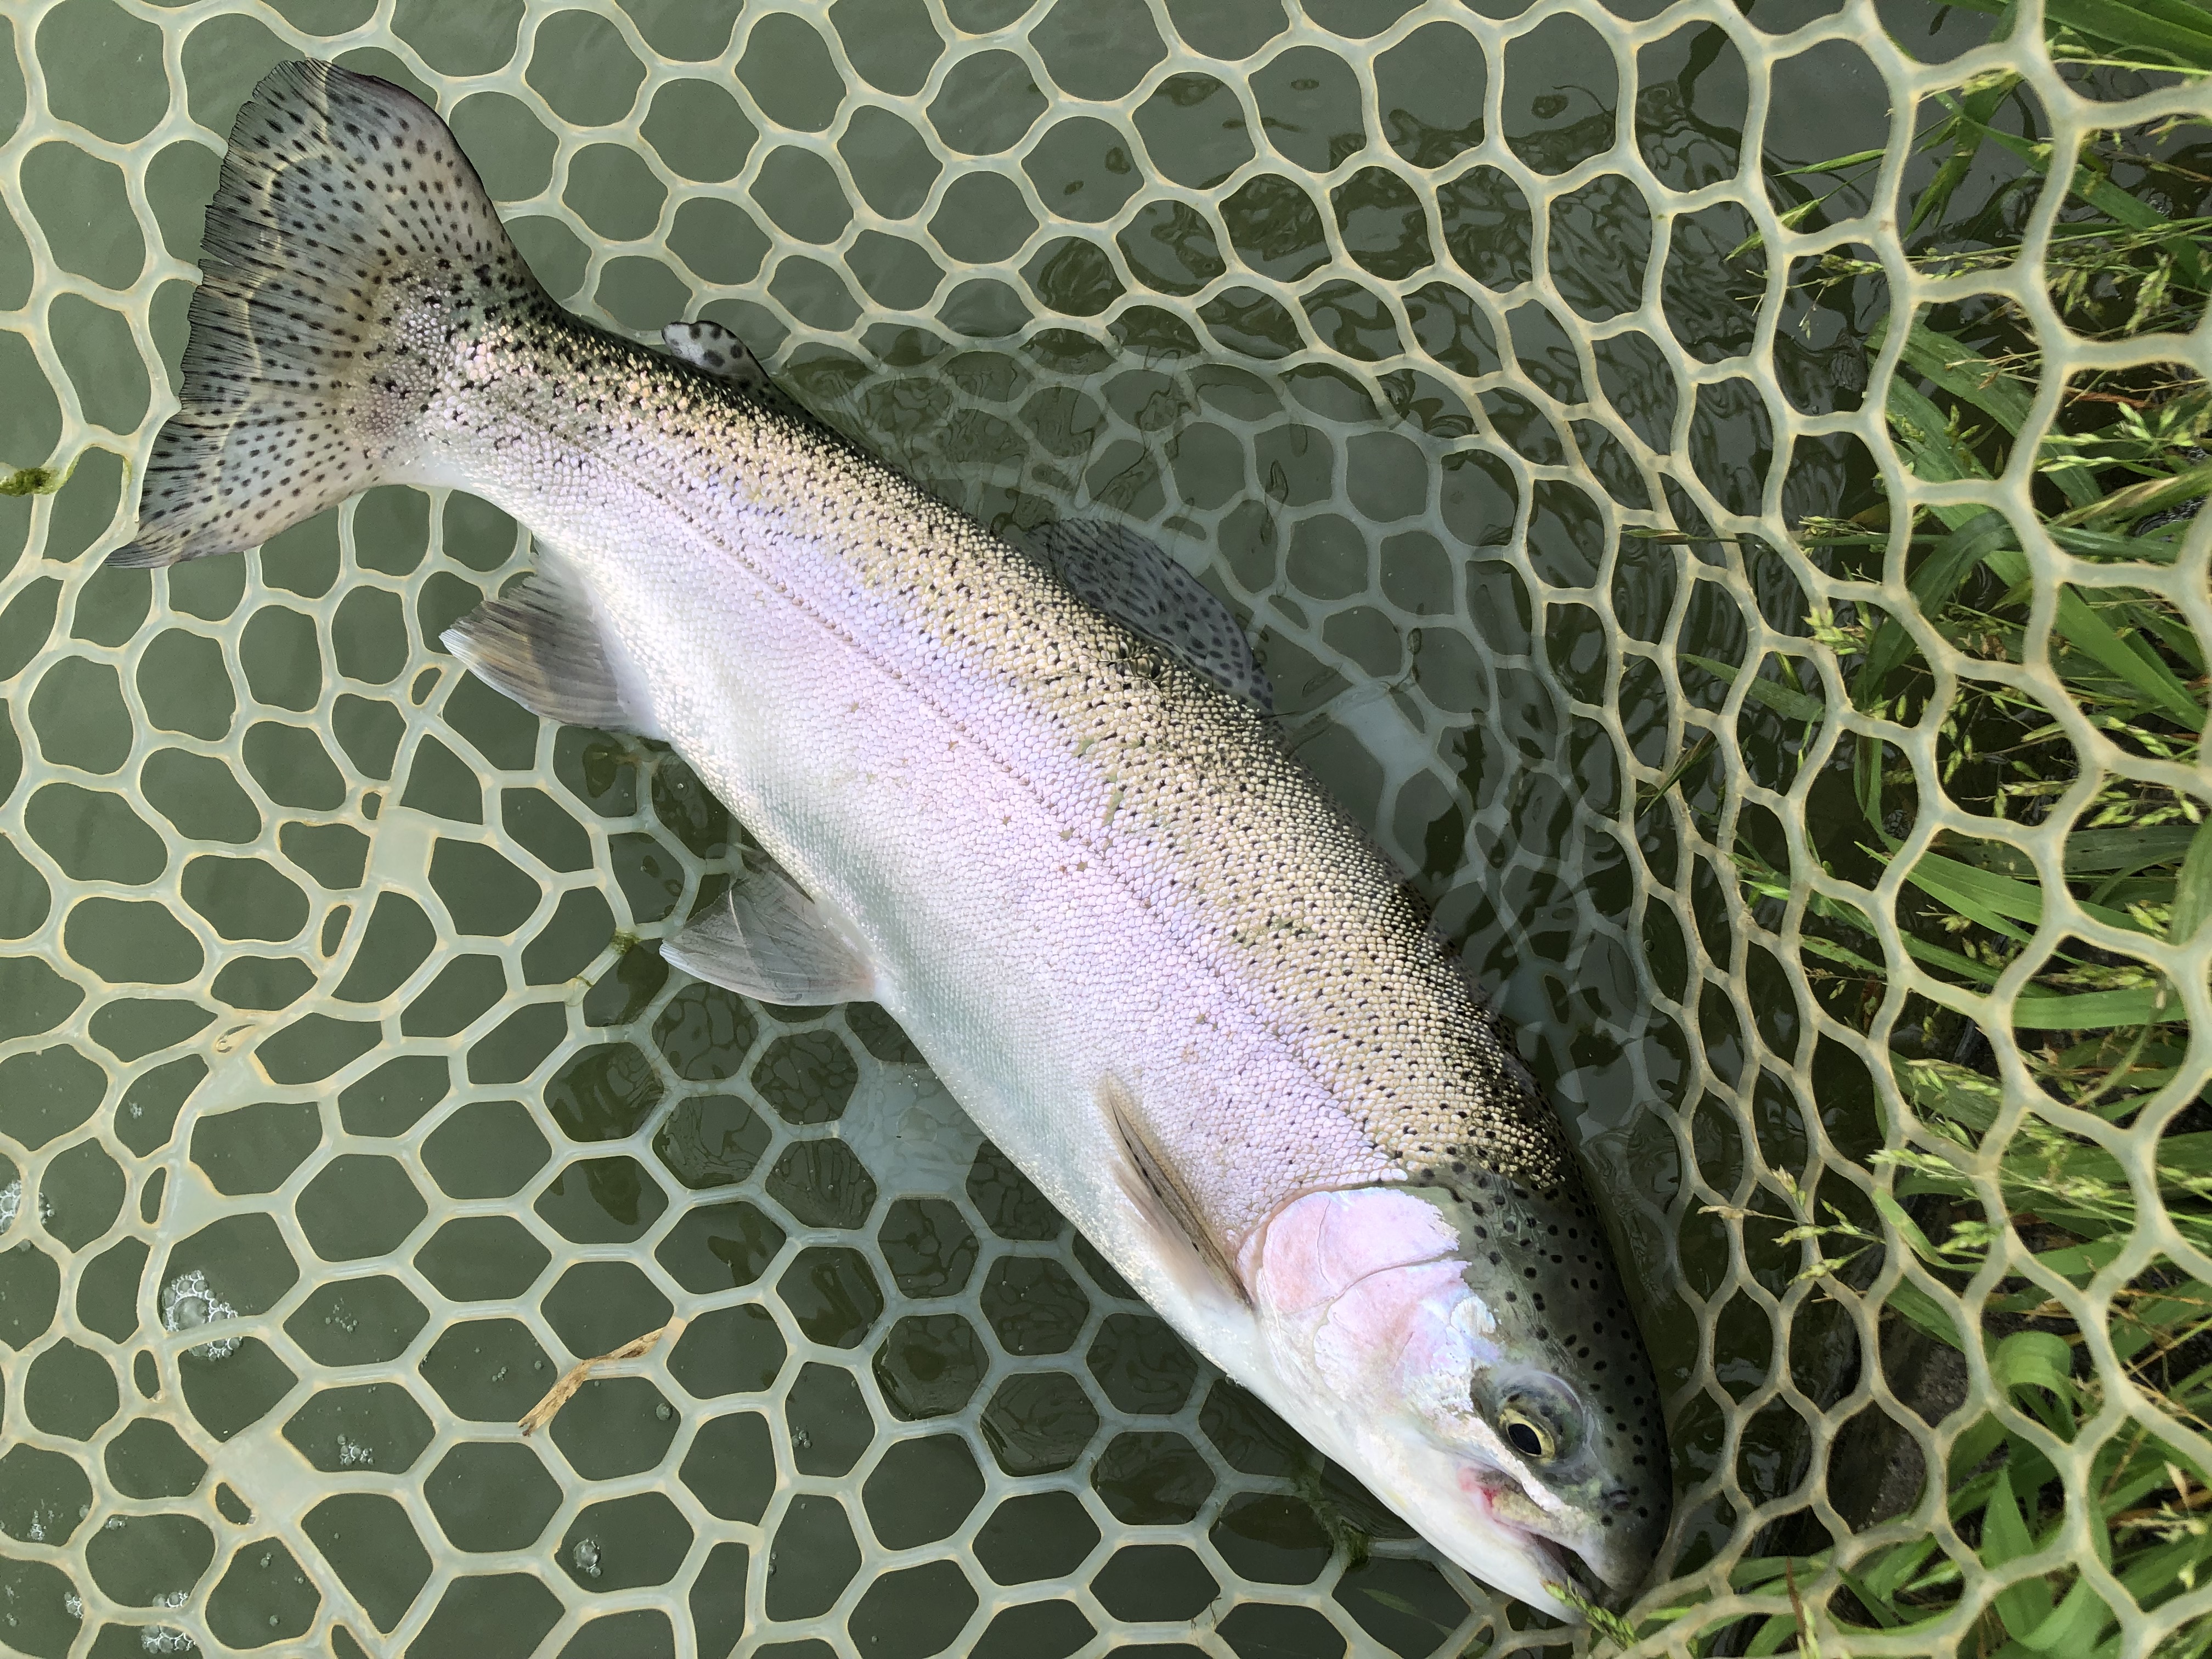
[[1113, 569], [768, 941], [539, 644], [1151, 1182]]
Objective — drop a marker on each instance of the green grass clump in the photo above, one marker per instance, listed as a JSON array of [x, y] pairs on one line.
[[2019, 1201]]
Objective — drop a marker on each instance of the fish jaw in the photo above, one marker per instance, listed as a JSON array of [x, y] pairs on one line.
[[1375, 1345], [1463, 1518]]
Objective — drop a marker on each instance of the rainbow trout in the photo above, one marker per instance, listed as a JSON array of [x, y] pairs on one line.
[[1151, 958]]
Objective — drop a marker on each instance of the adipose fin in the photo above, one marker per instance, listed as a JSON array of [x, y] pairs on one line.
[[713, 349]]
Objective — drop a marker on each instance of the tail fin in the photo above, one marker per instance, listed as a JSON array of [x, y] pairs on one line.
[[346, 235]]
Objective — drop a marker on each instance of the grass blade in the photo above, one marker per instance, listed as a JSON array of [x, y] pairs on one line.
[[2025, 1602], [1950, 961], [1926, 439], [1920, 1309], [2100, 545], [1953, 1091], [1995, 901], [1953, 366], [1780, 698], [2104, 852], [2035, 1359], [2093, 1011], [1984, 532], [2082, 628], [2192, 894], [2140, 500], [2169, 31], [1860, 158]]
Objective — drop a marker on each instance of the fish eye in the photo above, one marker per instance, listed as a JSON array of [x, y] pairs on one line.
[[1528, 1435]]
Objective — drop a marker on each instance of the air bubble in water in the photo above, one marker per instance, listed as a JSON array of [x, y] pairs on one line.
[[586, 1555], [187, 1303], [12, 1203]]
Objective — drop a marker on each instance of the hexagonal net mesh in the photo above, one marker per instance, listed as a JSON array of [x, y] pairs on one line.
[[1526, 378]]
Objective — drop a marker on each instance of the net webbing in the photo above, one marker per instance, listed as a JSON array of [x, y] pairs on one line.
[[1537, 404]]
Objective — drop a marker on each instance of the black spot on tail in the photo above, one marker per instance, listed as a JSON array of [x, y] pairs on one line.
[[344, 204]]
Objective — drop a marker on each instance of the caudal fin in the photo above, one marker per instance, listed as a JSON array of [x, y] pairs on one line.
[[347, 238]]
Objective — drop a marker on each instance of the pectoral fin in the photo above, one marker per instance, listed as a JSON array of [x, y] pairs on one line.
[[540, 644], [768, 941], [1116, 569], [1150, 1181], [713, 349]]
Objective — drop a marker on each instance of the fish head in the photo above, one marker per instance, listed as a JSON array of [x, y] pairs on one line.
[[1472, 1359]]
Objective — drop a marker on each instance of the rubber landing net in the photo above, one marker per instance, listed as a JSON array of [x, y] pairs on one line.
[[1526, 380]]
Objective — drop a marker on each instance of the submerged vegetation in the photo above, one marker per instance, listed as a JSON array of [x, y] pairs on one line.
[[2091, 1283]]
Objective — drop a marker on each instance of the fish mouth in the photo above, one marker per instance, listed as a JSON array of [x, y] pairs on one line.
[[1576, 1574], [1561, 1564]]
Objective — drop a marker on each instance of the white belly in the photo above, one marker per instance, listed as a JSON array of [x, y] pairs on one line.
[[1023, 965]]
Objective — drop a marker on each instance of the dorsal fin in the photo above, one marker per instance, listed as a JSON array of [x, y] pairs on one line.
[[768, 941], [1113, 568]]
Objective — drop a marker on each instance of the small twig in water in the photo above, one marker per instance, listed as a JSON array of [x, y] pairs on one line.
[[564, 1390]]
